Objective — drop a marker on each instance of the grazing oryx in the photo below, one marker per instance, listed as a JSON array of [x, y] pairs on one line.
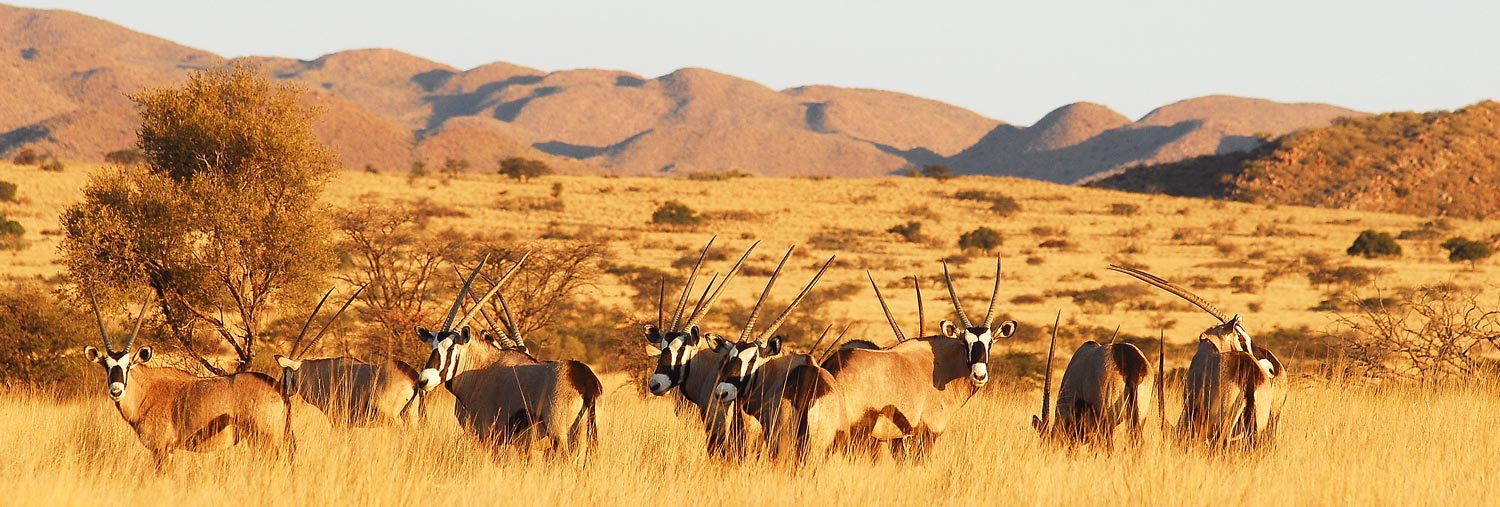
[[754, 376], [171, 409], [1235, 390], [1103, 386], [914, 388], [349, 391], [683, 360], [506, 396]]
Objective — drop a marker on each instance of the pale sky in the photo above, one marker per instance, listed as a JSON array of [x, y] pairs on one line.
[[1012, 61]]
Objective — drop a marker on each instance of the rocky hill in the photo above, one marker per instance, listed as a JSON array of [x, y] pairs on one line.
[[1439, 163], [68, 76]]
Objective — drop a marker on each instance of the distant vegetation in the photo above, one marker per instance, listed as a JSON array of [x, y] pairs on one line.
[[1371, 244], [524, 168], [675, 213], [1461, 249], [1433, 163], [7, 191], [983, 238]]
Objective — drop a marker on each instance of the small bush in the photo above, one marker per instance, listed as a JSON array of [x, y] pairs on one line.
[[1059, 244], [27, 156], [983, 238], [1124, 209], [418, 169], [1028, 299], [1462, 249], [1347, 276], [452, 166], [938, 172], [40, 336], [911, 232], [128, 156], [370, 168], [1371, 244], [11, 234], [523, 169], [1005, 206], [731, 174], [52, 165], [7, 191], [675, 213]]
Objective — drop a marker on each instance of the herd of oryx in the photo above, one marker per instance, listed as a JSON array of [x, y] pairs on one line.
[[750, 394]]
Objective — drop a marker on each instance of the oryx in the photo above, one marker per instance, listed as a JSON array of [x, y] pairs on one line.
[[1103, 386], [914, 388], [1235, 390], [685, 361], [506, 396], [755, 374], [171, 409], [349, 391]]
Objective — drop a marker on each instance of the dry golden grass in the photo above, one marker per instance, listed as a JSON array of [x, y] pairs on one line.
[[1343, 446]]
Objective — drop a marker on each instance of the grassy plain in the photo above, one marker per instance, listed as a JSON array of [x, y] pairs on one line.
[[1341, 443]]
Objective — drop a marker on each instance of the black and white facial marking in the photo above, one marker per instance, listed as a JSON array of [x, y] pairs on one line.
[[1230, 334], [677, 350], [447, 348], [741, 366], [117, 367], [289, 369], [978, 341]]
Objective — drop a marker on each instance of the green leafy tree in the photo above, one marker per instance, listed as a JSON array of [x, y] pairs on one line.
[[223, 217], [524, 168], [1461, 249], [1371, 244]]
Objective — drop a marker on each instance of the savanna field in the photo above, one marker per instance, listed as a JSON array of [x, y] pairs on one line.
[[1344, 439]]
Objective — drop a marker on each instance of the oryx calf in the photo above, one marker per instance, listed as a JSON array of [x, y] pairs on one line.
[[1103, 386], [1235, 390], [171, 409]]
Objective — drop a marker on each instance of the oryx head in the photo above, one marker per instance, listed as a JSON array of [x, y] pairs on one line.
[[448, 345], [745, 356], [291, 362], [679, 340], [1227, 336], [117, 363], [977, 339]]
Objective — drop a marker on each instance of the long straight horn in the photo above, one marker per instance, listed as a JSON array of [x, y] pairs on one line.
[[781, 319], [702, 309], [834, 344], [510, 323], [150, 297], [900, 337], [755, 311], [1047, 376], [952, 294], [702, 299], [292, 352], [687, 289], [1161, 381], [1163, 284], [921, 312], [494, 287], [661, 300], [814, 348], [989, 314], [324, 329], [98, 318], [462, 292]]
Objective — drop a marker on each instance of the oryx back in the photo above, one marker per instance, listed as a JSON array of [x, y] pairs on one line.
[[1231, 395], [917, 384], [1102, 387], [355, 393], [172, 409]]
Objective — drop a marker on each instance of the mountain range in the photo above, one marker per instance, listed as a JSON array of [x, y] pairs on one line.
[[69, 76]]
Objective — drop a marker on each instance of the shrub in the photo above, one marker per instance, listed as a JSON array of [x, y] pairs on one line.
[[523, 169], [1348, 276], [1435, 334], [1005, 206], [938, 172], [911, 232], [1124, 209], [452, 166], [52, 165], [128, 156], [1463, 249], [27, 156], [418, 169], [983, 238], [7, 191], [717, 175], [11, 233], [39, 336], [675, 213], [1371, 244]]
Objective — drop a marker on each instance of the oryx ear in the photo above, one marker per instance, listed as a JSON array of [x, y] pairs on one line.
[[651, 350], [1004, 330], [425, 335], [772, 347], [694, 335], [653, 334], [288, 363], [720, 344], [949, 329], [143, 355], [93, 354], [463, 336]]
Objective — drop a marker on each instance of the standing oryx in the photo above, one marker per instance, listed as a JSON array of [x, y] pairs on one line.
[[506, 396], [171, 409], [1104, 385], [914, 388], [349, 391], [755, 375], [683, 360], [1235, 390]]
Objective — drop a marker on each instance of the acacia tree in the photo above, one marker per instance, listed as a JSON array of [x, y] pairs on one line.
[[222, 216]]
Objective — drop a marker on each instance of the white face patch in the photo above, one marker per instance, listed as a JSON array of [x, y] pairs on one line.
[[725, 392], [429, 379]]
